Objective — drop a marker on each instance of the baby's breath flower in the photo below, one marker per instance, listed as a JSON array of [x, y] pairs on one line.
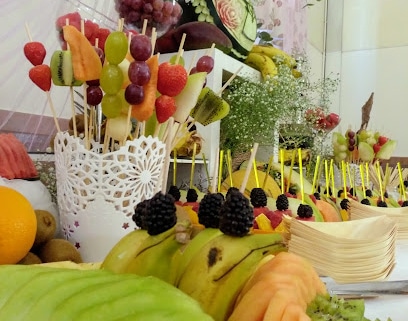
[[258, 108]]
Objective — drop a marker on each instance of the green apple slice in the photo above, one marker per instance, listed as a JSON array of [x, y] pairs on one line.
[[386, 150], [187, 99], [365, 152]]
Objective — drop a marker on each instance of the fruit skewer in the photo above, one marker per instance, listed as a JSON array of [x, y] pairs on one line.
[[40, 74]]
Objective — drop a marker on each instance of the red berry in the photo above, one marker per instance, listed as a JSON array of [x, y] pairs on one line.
[[35, 52], [382, 140], [165, 108], [73, 18], [376, 148], [171, 79], [102, 34], [41, 76]]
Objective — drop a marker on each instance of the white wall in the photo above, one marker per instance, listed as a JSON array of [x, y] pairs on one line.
[[370, 57]]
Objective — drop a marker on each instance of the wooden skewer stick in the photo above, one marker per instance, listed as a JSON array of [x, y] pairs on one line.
[[249, 168], [228, 82], [215, 172], [50, 103], [167, 156]]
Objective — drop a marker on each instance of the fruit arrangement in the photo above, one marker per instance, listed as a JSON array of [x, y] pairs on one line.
[[236, 266], [362, 146], [121, 75]]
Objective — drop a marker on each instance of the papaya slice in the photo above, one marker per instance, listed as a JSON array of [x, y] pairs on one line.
[[85, 61], [145, 109]]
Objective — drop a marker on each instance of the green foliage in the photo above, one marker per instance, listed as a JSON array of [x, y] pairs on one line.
[[257, 108]]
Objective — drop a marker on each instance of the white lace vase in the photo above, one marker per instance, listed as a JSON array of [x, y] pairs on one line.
[[97, 193]]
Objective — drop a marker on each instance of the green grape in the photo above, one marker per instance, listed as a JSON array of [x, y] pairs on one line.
[[111, 79], [111, 105], [173, 58], [125, 104], [116, 47]]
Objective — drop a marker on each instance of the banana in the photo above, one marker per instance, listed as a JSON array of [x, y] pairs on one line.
[[154, 256], [263, 63], [185, 254], [124, 251], [216, 273], [276, 54]]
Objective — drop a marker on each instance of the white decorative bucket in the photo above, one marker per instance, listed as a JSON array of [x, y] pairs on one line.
[[97, 193]]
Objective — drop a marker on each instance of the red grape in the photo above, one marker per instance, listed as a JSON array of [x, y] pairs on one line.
[[352, 141], [134, 94], [351, 134], [205, 63], [139, 72], [140, 47], [94, 95]]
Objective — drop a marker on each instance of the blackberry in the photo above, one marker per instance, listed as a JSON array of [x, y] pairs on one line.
[[339, 192], [345, 204], [231, 189], [209, 210], [316, 195], [282, 202], [404, 204], [258, 197], [236, 215], [352, 192], [365, 201], [161, 214], [292, 190], [369, 193], [192, 195], [175, 192], [385, 194], [304, 211], [405, 183], [328, 190], [140, 213], [381, 203]]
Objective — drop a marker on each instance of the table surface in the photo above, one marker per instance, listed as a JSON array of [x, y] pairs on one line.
[[392, 306]]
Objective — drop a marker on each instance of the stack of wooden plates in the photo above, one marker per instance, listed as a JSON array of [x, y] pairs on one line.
[[352, 251], [399, 214]]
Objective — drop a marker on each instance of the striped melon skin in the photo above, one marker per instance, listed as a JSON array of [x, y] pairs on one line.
[[46, 293]]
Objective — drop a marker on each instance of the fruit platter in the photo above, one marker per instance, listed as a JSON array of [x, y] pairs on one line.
[[136, 247]]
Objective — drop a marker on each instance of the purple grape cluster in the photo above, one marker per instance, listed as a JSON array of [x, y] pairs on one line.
[[160, 14]]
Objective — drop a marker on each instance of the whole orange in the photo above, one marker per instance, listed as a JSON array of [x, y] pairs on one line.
[[18, 226]]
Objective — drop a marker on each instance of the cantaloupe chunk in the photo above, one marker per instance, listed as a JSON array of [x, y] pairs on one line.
[[328, 211], [85, 61], [145, 109], [294, 312], [277, 305]]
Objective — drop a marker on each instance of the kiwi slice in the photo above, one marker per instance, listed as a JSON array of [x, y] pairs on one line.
[[62, 71], [209, 108], [57, 250], [328, 308]]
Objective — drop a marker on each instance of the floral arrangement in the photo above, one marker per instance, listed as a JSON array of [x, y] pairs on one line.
[[258, 109]]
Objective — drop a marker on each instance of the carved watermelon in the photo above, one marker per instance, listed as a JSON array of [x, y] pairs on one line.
[[236, 18]]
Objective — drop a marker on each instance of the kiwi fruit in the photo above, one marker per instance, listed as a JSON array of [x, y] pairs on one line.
[[57, 250], [46, 228], [209, 108], [30, 258], [328, 308]]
